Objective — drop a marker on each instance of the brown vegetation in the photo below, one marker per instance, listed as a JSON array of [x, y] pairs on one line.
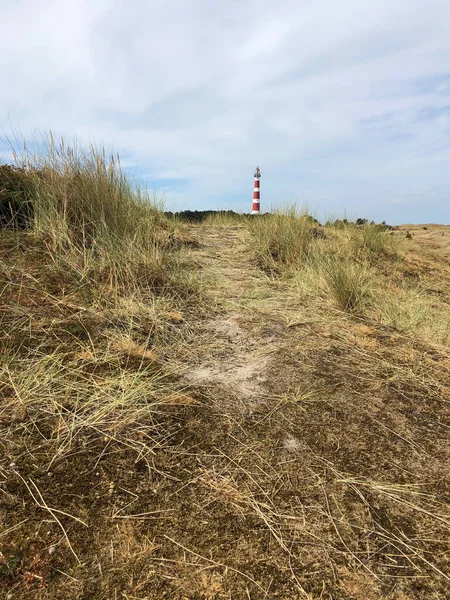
[[220, 419]]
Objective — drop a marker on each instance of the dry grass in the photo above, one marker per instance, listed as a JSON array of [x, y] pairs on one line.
[[281, 241], [309, 461], [95, 222], [360, 268], [348, 282], [373, 240]]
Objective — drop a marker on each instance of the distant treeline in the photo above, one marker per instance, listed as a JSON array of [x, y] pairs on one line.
[[198, 216], [16, 193]]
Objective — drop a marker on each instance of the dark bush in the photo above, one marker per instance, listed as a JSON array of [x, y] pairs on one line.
[[16, 192]]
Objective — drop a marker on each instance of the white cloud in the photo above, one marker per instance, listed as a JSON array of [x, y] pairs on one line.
[[346, 104]]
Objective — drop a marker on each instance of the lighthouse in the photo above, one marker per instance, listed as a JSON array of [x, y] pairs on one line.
[[255, 205]]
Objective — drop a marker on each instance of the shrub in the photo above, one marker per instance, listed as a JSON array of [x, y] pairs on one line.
[[16, 191]]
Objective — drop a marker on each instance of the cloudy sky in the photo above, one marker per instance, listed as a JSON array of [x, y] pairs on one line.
[[343, 105]]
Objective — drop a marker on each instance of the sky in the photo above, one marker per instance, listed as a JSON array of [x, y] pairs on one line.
[[345, 106]]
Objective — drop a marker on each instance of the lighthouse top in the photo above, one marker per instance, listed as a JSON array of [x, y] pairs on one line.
[[257, 173]]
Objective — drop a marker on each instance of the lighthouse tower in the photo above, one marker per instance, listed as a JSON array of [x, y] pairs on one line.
[[255, 205]]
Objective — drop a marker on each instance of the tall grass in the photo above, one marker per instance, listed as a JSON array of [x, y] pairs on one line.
[[373, 240], [281, 240], [94, 220], [348, 282], [339, 260]]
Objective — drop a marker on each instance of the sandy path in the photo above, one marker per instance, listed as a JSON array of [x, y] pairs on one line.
[[238, 359]]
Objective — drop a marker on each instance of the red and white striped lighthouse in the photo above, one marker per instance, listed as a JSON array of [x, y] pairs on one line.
[[255, 205]]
